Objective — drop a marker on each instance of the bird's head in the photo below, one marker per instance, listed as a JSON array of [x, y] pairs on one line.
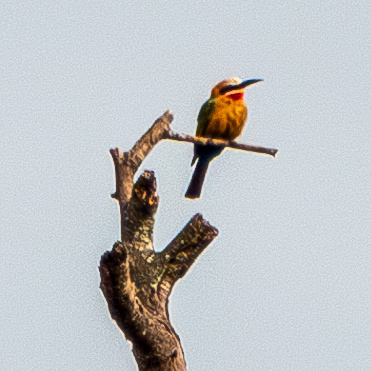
[[232, 88]]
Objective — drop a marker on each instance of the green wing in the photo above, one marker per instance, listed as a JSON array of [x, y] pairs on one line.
[[204, 117]]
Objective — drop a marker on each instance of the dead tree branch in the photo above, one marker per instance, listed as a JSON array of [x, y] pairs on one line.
[[222, 143], [135, 279]]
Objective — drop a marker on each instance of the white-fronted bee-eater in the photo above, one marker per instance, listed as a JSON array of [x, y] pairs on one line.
[[222, 116]]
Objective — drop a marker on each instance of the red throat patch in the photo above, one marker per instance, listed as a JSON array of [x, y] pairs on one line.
[[236, 96]]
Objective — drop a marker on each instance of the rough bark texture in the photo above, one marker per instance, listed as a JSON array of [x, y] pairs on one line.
[[137, 281]]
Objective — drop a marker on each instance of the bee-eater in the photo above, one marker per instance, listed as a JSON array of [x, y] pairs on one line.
[[222, 116]]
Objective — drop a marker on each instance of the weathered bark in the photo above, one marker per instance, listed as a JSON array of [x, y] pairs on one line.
[[136, 280]]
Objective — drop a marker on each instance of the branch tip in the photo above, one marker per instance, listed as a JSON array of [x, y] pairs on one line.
[[146, 182], [115, 152], [168, 114], [203, 225]]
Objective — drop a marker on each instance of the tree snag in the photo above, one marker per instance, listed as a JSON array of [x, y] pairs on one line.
[[136, 280]]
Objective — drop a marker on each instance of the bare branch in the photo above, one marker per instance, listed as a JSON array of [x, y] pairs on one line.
[[136, 280], [145, 144], [115, 281], [124, 177], [127, 164], [118, 160], [183, 251], [222, 143]]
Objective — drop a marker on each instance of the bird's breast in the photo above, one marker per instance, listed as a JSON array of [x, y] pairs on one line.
[[228, 120]]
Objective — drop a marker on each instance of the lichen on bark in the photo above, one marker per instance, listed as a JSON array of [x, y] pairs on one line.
[[135, 279]]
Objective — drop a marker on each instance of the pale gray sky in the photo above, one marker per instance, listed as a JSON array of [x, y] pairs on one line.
[[286, 285]]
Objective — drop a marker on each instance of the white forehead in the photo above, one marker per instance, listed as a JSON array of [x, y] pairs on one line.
[[231, 81]]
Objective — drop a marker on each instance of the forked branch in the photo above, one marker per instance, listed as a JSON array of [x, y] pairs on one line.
[[136, 280]]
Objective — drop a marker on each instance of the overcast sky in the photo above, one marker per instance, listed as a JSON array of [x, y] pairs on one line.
[[286, 285]]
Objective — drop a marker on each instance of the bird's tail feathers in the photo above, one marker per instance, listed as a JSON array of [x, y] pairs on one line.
[[198, 177]]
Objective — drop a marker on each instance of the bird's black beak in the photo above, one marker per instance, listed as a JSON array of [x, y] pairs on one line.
[[246, 83], [243, 85]]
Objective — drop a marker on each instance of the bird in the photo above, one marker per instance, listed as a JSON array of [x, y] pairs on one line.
[[222, 116]]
